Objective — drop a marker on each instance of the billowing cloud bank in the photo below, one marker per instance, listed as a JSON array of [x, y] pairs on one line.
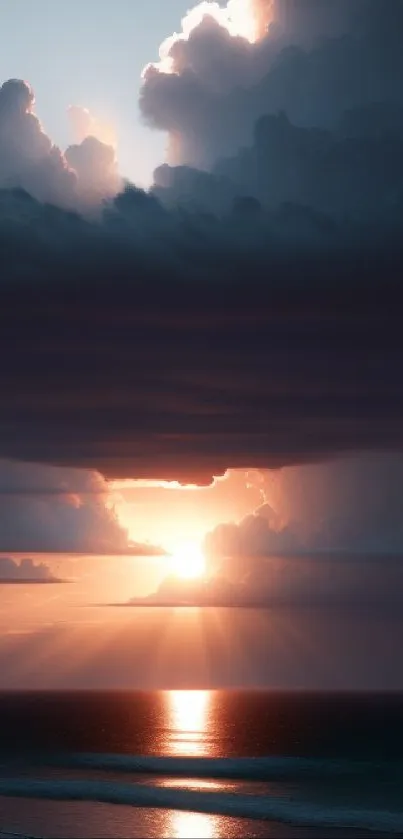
[[260, 326], [328, 533], [317, 60], [309, 113], [348, 505]]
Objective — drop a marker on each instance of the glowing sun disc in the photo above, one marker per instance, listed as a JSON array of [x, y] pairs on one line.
[[188, 561]]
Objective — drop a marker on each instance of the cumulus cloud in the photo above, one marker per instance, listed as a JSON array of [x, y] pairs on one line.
[[95, 165], [257, 534], [49, 509], [331, 533], [351, 504], [25, 571], [28, 157], [316, 60], [198, 68], [308, 114], [84, 174], [347, 505]]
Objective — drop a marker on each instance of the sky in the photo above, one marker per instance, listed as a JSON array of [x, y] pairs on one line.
[[201, 350], [91, 55]]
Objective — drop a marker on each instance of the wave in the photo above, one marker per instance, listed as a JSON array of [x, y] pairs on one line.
[[277, 768], [224, 804]]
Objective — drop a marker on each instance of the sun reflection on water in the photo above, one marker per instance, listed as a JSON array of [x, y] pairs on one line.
[[188, 721], [192, 826], [188, 715], [198, 784]]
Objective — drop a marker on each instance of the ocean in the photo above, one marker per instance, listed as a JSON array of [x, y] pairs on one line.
[[201, 765]]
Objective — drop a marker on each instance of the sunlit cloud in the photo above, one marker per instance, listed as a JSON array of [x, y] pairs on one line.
[[239, 18]]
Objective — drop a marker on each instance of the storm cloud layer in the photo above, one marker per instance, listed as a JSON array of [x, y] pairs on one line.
[[222, 347]]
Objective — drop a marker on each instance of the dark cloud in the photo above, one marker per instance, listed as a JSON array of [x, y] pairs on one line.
[[25, 571], [257, 339], [354, 171], [306, 21]]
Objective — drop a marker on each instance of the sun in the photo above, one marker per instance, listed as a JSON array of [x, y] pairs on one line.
[[188, 561]]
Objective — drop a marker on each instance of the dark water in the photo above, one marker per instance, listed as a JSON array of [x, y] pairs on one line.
[[201, 764]]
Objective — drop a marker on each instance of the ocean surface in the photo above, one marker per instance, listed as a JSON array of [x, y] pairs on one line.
[[201, 765]]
